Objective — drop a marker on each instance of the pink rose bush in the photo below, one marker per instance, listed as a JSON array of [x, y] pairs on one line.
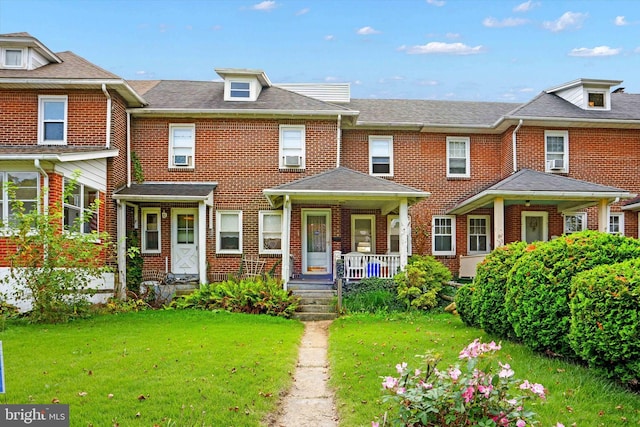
[[460, 396]]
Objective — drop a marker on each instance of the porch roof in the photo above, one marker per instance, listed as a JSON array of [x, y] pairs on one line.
[[56, 153], [528, 185], [168, 192], [346, 187]]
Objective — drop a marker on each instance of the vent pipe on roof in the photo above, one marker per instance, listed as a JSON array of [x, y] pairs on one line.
[[106, 93], [513, 148]]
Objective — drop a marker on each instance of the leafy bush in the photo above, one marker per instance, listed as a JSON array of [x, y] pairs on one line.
[[477, 394], [538, 289], [252, 295], [371, 295], [464, 305], [419, 284], [605, 320], [490, 286]]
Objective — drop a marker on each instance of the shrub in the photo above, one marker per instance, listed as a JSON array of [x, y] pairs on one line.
[[252, 295], [477, 394], [605, 321], [537, 298], [490, 286], [464, 305], [419, 284], [371, 295]]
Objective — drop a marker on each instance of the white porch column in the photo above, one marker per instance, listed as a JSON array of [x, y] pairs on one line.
[[121, 238], [202, 242], [404, 232], [286, 240], [498, 221], [603, 215]]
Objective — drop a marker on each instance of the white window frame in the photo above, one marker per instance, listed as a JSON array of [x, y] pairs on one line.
[[467, 157], [251, 92], [372, 236], [487, 234], [373, 141], [188, 151], [292, 151], [582, 216], [263, 233], [4, 195], [23, 58], [42, 101], [219, 231], [620, 217], [434, 234], [395, 219], [80, 206], [565, 154], [606, 96], [144, 212]]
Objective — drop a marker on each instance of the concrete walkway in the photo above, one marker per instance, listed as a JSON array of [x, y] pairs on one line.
[[310, 402]]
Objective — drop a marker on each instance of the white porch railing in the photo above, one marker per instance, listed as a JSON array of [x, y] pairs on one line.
[[358, 266]]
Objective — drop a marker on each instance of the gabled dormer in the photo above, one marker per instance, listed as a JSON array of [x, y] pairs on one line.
[[22, 51], [242, 84], [588, 94]]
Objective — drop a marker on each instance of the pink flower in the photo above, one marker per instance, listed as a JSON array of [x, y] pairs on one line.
[[375, 424], [400, 367], [538, 389], [455, 373], [559, 425], [476, 348], [389, 382], [506, 371], [468, 394], [485, 390], [521, 423]]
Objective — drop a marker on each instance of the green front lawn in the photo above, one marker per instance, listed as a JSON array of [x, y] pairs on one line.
[[364, 348], [166, 368]]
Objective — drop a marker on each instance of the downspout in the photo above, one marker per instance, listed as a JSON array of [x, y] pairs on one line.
[[339, 140], [36, 163], [128, 149], [106, 93], [513, 139]]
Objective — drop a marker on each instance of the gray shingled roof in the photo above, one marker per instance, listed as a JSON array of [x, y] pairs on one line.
[[624, 106], [71, 67], [425, 113], [167, 191], [540, 186], [199, 95]]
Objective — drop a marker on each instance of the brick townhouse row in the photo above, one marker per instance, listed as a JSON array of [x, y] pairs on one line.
[[305, 177]]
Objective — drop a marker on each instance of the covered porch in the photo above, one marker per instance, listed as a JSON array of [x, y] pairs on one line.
[[536, 206], [345, 217]]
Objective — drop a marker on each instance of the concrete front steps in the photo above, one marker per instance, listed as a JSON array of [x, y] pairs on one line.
[[317, 299]]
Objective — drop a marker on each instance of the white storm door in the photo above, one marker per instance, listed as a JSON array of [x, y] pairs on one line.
[[534, 226], [316, 241], [184, 241]]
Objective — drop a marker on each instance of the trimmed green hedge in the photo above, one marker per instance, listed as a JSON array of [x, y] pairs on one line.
[[464, 305], [537, 296], [605, 320]]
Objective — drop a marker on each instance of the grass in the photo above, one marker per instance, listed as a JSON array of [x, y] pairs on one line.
[[165, 368], [362, 348]]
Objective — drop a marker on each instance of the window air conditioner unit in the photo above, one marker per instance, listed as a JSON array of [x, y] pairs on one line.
[[181, 160], [292, 161], [556, 164]]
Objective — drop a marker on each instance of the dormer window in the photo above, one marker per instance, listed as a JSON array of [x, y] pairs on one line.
[[240, 89], [13, 58], [596, 99]]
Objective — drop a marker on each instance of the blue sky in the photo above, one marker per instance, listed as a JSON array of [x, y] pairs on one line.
[[475, 50]]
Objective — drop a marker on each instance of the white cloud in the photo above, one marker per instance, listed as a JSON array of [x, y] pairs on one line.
[[428, 83], [264, 5], [439, 47], [566, 21], [596, 51], [507, 22], [526, 6], [303, 11], [216, 27], [329, 37], [438, 3], [365, 31], [620, 21]]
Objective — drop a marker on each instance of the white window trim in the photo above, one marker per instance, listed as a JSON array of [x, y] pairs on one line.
[[452, 251], [281, 153], [262, 249], [253, 93], [143, 240], [583, 215], [4, 210], [218, 231], [467, 144], [545, 224], [607, 99], [41, 101], [83, 210], [487, 220], [565, 135], [3, 58], [192, 158], [372, 220], [384, 138], [621, 223]]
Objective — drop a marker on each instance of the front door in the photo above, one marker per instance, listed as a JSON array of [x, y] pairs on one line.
[[534, 226], [316, 241], [184, 241]]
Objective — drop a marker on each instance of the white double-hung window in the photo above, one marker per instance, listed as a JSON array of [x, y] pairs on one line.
[[17, 188], [151, 230], [458, 162], [229, 232], [270, 232], [574, 222], [52, 119], [478, 234], [182, 142], [381, 155], [292, 147], [80, 208], [556, 151], [444, 235]]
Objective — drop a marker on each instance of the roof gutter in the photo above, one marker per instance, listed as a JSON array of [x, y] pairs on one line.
[[237, 112], [108, 124], [513, 147]]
